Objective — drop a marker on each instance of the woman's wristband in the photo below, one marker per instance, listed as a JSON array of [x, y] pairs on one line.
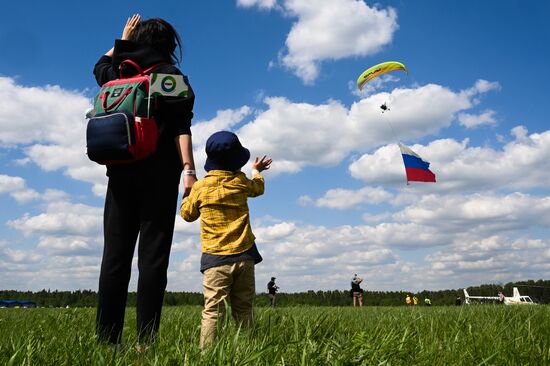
[[189, 172]]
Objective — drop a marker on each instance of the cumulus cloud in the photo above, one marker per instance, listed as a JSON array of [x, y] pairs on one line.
[[330, 30], [224, 120], [482, 86], [487, 213], [474, 120], [40, 114], [17, 188], [71, 245], [305, 257], [44, 272], [262, 4], [521, 163], [303, 134], [61, 218], [52, 129], [295, 134], [497, 258], [345, 198], [463, 235]]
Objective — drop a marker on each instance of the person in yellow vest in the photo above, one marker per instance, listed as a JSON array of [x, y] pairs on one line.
[[415, 300], [408, 300]]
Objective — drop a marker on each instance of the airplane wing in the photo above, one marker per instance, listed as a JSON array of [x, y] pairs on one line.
[[467, 297], [484, 297]]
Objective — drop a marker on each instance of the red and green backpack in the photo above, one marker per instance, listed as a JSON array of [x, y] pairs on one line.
[[123, 128]]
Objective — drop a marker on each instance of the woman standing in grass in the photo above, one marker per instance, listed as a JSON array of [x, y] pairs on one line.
[[142, 197]]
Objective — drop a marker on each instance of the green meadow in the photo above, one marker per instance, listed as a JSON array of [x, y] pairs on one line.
[[443, 335]]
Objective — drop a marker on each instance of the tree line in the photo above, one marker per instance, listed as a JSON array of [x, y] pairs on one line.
[[537, 290]]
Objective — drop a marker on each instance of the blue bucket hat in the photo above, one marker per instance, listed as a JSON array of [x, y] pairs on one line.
[[225, 152]]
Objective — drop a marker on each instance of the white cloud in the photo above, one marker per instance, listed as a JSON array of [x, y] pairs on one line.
[[521, 163], [482, 86], [52, 129], [474, 120], [61, 218], [493, 258], [465, 236], [333, 130], [11, 184], [44, 272], [485, 213], [40, 114], [71, 245], [16, 187], [344, 198], [280, 132], [332, 30], [224, 120], [262, 4], [329, 30], [303, 134], [21, 256]]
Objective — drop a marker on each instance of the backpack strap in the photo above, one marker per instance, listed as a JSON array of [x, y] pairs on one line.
[[146, 71], [138, 68]]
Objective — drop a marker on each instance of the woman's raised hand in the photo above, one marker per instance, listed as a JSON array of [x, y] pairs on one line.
[[130, 26]]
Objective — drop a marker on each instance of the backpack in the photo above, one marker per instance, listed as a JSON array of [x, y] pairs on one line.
[[123, 128]]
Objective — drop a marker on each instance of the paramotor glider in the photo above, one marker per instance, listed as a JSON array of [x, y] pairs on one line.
[[377, 70]]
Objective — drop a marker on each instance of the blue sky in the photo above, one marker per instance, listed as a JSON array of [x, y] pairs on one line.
[[281, 74]]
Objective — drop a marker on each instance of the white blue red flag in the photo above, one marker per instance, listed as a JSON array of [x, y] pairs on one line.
[[417, 169]]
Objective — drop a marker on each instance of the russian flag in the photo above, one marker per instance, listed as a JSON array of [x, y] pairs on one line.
[[417, 169]]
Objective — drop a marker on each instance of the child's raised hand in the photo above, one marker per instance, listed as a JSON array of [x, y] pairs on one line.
[[261, 164]]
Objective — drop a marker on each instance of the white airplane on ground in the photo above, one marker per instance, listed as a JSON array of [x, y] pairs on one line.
[[516, 299]]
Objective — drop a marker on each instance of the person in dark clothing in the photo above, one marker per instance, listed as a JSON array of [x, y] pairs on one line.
[[357, 291], [272, 289], [458, 301], [141, 199]]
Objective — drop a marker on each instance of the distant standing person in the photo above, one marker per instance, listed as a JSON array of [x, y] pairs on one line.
[[415, 300], [458, 301], [357, 291], [272, 289], [408, 300], [501, 297]]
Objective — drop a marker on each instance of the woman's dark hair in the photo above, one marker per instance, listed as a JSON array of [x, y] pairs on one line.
[[160, 35]]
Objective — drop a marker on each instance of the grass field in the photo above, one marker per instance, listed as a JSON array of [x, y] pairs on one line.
[[475, 335]]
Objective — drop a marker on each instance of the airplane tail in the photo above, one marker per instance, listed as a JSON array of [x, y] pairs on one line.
[[466, 297], [516, 292]]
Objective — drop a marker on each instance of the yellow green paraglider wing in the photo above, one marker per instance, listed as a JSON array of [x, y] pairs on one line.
[[379, 69]]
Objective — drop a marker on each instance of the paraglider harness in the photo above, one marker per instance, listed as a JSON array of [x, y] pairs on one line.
[[122, 128]]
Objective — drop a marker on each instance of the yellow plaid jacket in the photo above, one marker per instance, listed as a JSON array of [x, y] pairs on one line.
[[220, 200]]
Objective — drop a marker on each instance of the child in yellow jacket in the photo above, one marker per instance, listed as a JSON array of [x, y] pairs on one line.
[[229, 252]]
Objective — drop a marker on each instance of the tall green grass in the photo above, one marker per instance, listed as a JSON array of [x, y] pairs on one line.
[[476, 335]]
